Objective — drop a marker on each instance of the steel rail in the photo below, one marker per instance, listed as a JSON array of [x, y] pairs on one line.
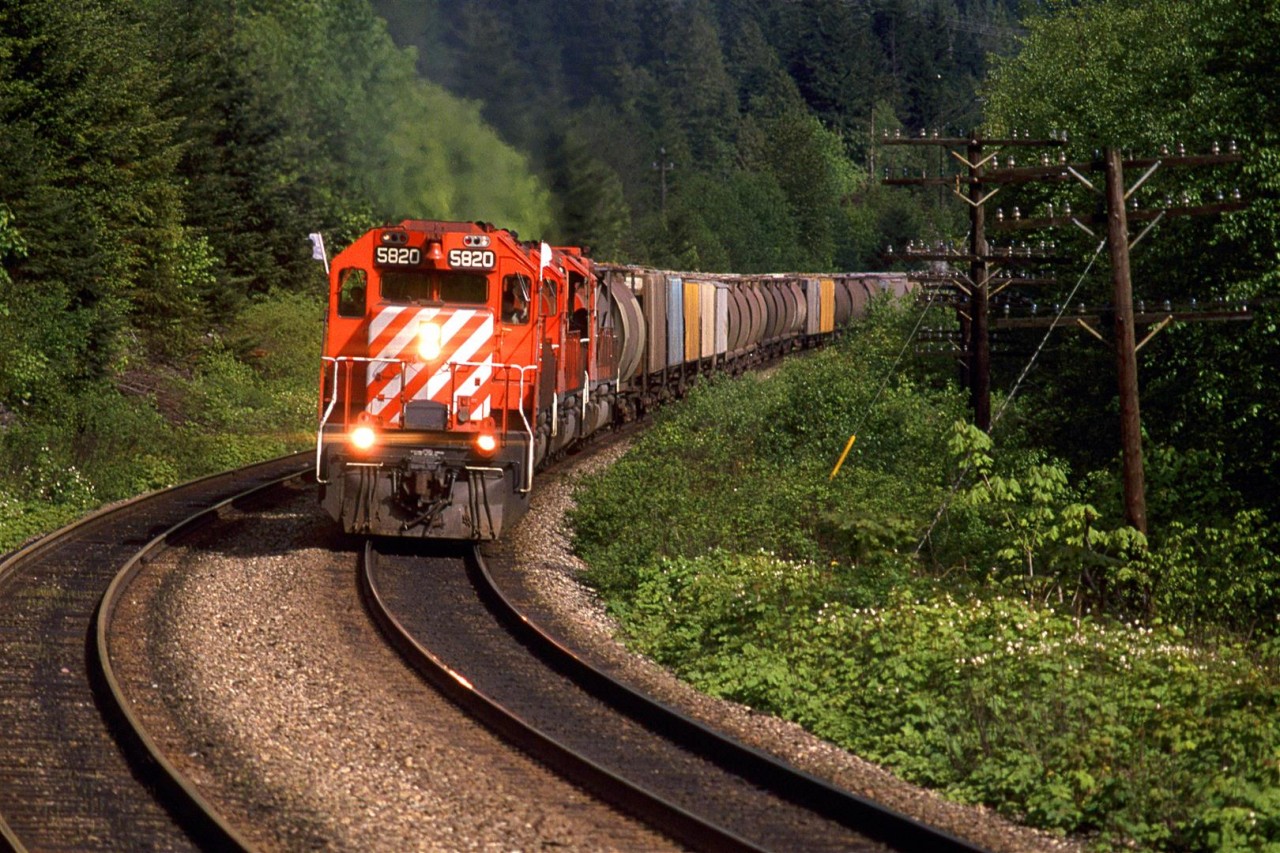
[[785, 781], [619, 792], [39, 549], [181, 793]]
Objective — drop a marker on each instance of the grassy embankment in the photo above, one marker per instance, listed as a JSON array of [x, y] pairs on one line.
[[1026, 658], [249, 395]]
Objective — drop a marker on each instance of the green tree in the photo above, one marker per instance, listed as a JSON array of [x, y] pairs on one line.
[[86, 163], [816, 177], [1152, 74], [592, 210]]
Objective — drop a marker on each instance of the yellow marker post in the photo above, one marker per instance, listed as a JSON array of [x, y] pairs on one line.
[[847, 448]]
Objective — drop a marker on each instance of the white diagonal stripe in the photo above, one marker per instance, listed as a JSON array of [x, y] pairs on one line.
[[464, 353]]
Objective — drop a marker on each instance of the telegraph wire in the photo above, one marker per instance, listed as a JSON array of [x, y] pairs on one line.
[[964, 471]]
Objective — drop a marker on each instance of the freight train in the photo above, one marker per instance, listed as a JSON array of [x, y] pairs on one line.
[[459, 360]]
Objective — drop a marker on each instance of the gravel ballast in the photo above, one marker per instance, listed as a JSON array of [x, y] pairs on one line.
[[256, 668]]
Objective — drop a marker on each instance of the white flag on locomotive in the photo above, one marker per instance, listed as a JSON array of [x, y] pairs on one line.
[[317, 250], [544, 259]]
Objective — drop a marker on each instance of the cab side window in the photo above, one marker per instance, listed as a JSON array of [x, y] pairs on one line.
[[352, 292], [550, 307], [515, 299]]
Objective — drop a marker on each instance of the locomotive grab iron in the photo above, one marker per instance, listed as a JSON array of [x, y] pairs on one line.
[[458, 360]]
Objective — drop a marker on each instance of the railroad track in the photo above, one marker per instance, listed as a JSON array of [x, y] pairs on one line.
[[78, 771], [682, 777], [75, 770]]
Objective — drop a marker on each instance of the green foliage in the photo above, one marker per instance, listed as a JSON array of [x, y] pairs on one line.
[[86, 180], [280, 334], [318, 122], [1023, 527], [748, 216], [1069, 673], [1147, 75], [748, 99], [249, 398], [1070, 724], [261, 380], [1105, 70], [1216, 577], [593, 211], [811, 168], [468, 173], [745, 464]]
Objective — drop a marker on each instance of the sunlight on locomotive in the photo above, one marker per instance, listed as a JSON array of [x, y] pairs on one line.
[[363, 437], [428, 341]]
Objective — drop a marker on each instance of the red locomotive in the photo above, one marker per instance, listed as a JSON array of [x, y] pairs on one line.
[[457, 359]]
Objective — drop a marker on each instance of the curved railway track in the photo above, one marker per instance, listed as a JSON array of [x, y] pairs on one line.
[[688, 780], [75, 772], [78, 770]]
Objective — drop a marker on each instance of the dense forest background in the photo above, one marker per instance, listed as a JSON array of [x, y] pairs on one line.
[[161, 165], [716, 134]]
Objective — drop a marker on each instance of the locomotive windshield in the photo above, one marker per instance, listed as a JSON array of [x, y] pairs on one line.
[[409, 286]]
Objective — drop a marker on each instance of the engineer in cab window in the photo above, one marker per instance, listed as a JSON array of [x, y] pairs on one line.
[[515, 299]]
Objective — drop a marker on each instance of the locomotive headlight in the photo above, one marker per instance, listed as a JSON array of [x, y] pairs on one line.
[[486, 443], [429, 341], [363, 437]]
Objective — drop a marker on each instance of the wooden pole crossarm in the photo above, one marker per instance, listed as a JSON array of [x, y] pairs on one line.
[[1155, 330], [1080, 321], [1032, 223]]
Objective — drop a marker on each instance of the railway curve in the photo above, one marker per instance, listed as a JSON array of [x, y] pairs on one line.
[[110, 808], [687, 779], [75, 772]]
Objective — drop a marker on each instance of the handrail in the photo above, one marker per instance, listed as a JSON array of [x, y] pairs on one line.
[[338, 361], [333, 398]]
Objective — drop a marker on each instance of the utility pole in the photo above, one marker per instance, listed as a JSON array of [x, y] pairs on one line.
[[976, 322], [975, 319], [1124, 335], [979, 365], [1126, 344], [662, 166]]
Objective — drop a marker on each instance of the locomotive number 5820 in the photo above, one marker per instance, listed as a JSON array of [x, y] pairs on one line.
[[397, 256], [471, 259]]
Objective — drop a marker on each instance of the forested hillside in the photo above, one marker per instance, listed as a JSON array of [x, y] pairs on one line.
[[716, 134], [161, 164]]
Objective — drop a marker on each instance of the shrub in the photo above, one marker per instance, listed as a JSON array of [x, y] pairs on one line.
[[1068, 723], [1215, 577], [745, 464]]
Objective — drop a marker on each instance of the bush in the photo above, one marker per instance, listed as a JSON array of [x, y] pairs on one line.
[[1070, 724], [729, 554], [1225, 578], [102, 445], [745, 464]]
